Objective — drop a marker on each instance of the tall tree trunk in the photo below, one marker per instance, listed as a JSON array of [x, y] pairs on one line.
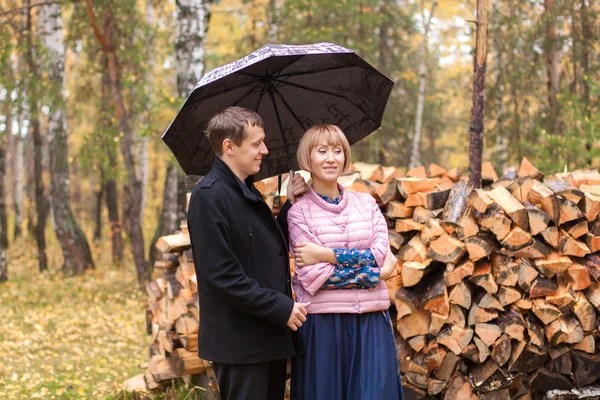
[[40, 198], [553, 69], [477, 112], [18, 168], [3, 220], [133, 189], [273, 27], [415, 154], [589, 38], [192, 19], [167, 222], [99, 192], [75, 249], [109, 182]]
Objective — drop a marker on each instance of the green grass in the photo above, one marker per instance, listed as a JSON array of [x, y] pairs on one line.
[[65, 337]]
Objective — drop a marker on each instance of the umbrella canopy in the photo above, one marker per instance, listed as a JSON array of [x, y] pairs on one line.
[[292, 88]]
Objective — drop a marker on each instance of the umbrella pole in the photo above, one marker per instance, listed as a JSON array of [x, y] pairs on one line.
[[285, 146]]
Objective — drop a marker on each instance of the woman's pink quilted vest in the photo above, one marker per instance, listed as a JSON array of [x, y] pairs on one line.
[[356, 222]]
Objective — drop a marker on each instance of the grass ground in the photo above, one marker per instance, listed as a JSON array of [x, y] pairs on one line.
[[65, 337]]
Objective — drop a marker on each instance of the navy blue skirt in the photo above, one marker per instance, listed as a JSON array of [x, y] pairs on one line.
[[347, 357]]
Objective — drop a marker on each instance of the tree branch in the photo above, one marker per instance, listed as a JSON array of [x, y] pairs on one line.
[[96, 27]]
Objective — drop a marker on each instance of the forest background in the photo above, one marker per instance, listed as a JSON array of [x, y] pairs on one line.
[[88, 87]]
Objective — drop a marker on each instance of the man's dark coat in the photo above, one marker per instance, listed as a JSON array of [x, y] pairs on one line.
[[242, 267]]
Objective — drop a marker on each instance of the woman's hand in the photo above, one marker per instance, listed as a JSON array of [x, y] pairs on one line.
[[310, 253], [388, 267]]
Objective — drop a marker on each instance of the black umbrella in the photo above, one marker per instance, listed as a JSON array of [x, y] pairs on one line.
[[292, 88]]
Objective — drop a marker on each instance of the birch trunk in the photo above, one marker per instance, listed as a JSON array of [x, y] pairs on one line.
[[18, 168], [3, 220], [553, 69], [167, 222], [75, 249], [415, 154]]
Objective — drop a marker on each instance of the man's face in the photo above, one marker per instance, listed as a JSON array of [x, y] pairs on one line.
[[248, 156]]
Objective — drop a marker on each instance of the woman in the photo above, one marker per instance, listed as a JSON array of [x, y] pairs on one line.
[[340, 243]]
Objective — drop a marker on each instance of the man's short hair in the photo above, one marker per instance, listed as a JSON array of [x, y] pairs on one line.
[[231, 124], [328, 134]]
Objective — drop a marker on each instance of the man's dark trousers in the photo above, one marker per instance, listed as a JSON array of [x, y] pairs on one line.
[[261, 381]]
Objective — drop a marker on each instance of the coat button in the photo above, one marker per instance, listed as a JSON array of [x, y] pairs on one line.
[[280, 252], [343, 228]]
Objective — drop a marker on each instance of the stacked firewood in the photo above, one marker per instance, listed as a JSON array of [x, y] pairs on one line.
[[172, 317], [496, 290]]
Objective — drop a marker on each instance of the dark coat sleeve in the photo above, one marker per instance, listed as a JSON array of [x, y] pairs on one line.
[[282, 220], [221, 269]]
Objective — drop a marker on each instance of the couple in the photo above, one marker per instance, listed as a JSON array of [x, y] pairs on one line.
[[338, 330]]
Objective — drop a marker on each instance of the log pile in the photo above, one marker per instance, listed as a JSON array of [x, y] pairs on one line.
[[172, 318], [496, 290]]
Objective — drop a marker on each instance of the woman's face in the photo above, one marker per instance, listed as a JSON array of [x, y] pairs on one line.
[[327, 162]]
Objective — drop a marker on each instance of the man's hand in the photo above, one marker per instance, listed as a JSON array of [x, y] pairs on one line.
[[309, 253], [296, 188], [298, 316]]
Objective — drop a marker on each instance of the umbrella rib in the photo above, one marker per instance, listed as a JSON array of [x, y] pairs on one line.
[[289, 108], [247, 93], [308, 88], [194, 101]]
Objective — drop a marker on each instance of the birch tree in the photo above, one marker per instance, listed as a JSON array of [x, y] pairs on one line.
[[75, 249], [415, 154]]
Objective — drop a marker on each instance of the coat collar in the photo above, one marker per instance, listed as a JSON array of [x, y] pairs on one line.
[[221, 169], [335, 208]]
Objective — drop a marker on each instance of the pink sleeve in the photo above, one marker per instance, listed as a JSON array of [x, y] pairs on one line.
[[380, 242], [311, 277]]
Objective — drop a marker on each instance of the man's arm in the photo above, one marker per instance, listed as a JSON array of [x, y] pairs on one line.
[[221, 269]]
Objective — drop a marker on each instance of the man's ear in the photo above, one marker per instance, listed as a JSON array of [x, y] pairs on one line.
[[228, 147]]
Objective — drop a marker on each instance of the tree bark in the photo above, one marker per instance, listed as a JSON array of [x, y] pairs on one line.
[[3, 220], [18, 168], [415, 154], [477, 112], [34, 123], [133, 188], [192, 19], [167, 222], [553, 69], [77, 257], [98, 211], [109, 182]]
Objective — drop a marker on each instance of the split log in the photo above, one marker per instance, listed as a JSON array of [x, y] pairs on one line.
[[479, 315], [364, 186], [545, 312], [587, 344], [569, 246], [432, 231], [458, 273], [517, 239], [387, 192], [414, 324], [461, 295], [501, 349], [546, 199], [459, 388], [520, 188], [591, 262], [437, 322], [590, 205], [435, 295], [435, 171], [563, 298], [490, 301], [526, 275], [593, 294], [525, 357], [526, 169], [552, 236], [489, 378], [397, 240], [480, 200], [456, 316], [446, 339], [423, 215], [546, 380], [538, 219], [414, 250], [576, 228], [586, 367], [417, 343], [496, 221], [417, 172], [482, 277], [488, 333], [456, 205], [552, 264], [566, 190], [481, 245], [430, 200], [513, 324], [396, 209], [412, 272], [568, 211], [542, 287], [446, 249], [173, 243], [504, 269], [560, 359], [408, 186], [185, 362], [535, 332], [511, 206], [447, 367], [593, 242], [585, 313], [508, 295], [407, 225]]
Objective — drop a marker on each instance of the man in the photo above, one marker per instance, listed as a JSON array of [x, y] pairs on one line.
[[241, 257]]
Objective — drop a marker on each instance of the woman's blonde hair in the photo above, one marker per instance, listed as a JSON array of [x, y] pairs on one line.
[[331, 135]]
